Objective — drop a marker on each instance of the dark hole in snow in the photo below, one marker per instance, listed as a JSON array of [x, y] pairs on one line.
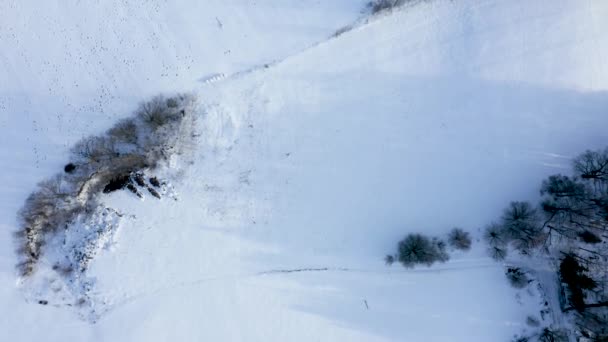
[[43, 302], [153, 192], [117, 183], [154, 181], [139, 179], [133, 189], [69, 168]]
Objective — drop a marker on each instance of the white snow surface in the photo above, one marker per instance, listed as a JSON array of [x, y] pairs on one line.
[[317, 153]]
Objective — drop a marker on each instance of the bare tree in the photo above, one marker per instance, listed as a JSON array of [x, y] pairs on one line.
[[522, 227]]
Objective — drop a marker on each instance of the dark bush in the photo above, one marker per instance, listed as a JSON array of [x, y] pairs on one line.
[[517, 277], [418, 249], [495, 235], [138, 177], [134, 190], [459, 239], [497, 253], [589, 237], [154, 181], [153, 192], [69, 168], [389, 259]]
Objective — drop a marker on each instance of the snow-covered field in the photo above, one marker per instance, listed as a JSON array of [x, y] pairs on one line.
[[316, 155]]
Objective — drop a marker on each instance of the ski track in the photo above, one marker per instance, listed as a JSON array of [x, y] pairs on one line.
[[479, 263], [363, 21]]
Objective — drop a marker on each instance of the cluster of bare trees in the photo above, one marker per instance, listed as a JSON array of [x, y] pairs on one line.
[[570, 224], [159, 129]]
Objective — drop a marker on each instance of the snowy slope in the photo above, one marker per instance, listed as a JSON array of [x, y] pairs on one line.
[[307, 172]]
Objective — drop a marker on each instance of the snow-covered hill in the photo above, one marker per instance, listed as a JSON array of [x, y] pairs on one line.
[[316, 154]]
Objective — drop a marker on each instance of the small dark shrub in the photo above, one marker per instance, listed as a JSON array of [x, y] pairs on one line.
[[389, 259], [495, 235], [532, 321], [138, 177], [459, 239], [69, 168], [134, 190], [172, 102], [589, 237], [153, 192], [497, 253], [550, 335], [517, 278], [441, 250]]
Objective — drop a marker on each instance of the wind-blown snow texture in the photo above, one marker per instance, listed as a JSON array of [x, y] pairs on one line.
[[315, 154]]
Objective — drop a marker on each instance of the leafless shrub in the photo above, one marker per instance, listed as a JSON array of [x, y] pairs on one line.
[[384, 5], [42, 212], [95, 149], [517, 277], [389, 259], [172, 102], [342, 30], [459, 239], [552, 335], [497, 253], [159, 111], [124, 131]]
